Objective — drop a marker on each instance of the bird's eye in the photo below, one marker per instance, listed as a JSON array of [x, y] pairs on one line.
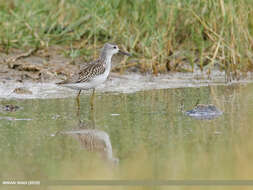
[[114, 47]]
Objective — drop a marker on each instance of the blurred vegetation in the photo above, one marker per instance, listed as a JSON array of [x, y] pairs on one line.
[[163, 35]]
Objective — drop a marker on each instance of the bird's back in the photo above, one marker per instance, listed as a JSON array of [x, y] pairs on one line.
[[86, 73]]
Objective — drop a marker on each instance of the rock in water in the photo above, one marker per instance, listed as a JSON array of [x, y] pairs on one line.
[[9, 108], [202, 111], [22, 90]]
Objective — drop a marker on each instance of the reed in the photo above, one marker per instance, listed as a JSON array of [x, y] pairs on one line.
[[163, 35]]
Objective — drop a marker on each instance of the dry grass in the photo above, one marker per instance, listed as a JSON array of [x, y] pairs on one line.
[[163, 35]]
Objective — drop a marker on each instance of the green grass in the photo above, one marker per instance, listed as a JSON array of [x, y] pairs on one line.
[[204, 32]]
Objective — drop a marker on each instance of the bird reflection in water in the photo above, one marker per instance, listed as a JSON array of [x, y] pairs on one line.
[[94, 140]]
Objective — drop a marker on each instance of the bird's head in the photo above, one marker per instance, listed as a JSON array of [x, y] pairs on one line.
[[111, 49]]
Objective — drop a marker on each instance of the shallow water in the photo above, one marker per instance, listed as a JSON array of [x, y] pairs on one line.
[[137, 136]]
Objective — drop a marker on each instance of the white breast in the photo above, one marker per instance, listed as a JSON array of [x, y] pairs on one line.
[[102, 78]]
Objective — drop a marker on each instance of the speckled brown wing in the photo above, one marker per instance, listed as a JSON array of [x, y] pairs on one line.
[[90, 72]]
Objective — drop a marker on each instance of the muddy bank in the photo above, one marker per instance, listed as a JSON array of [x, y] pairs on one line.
[[44, 66], [116, 83], [49, 65], [25, 75]]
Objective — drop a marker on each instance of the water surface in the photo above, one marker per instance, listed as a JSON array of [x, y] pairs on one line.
[[137, 136]]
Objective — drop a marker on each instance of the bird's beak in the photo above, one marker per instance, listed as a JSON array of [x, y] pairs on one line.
[[124, 53]]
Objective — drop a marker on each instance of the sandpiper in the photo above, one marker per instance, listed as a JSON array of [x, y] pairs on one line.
[[95, 73]]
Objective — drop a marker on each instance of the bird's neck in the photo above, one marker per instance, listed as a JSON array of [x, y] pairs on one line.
[[105, 59]]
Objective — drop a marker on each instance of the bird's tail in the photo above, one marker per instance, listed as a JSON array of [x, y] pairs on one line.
[[61, 82]]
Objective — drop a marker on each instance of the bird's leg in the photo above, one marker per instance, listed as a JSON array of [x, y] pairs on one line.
[[78, 95], [92, 108], [92, 99], [78, 102]]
